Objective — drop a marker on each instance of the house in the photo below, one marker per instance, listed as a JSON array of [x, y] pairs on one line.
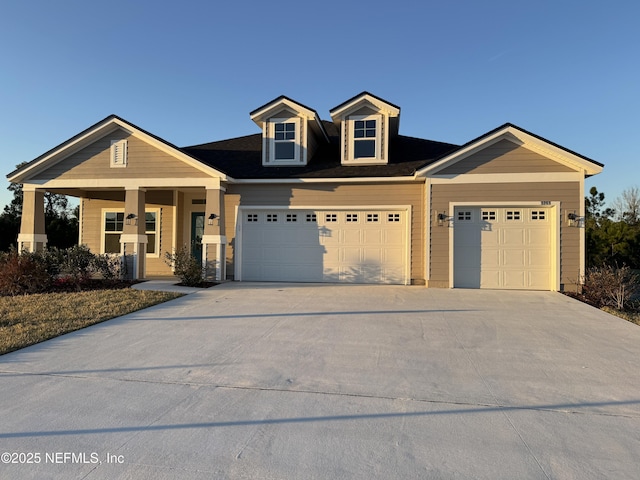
[[310, 200]]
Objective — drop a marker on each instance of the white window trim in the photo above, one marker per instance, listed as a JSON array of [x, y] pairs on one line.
[[378, 139], [121, 210], [103, 232], [297, 158], [118, 154]]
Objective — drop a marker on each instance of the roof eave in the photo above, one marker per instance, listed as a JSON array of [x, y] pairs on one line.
[[259, 114], [95, 132], [589, 166]]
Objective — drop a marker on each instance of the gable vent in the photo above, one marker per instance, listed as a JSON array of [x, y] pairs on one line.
[[118, 153]]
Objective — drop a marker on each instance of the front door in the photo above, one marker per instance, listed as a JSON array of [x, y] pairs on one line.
[[197, 231]]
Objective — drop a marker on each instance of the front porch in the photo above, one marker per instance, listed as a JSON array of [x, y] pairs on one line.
[[141, 224]]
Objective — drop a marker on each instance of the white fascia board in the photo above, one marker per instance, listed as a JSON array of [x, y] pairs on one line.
[[58, 154], [171, 151], [506, 178], [318, 121], [558, 154], [124, 184], [101, 130], [464, 153], [520, 138], [272, 108], [136, 183], [358, 102]]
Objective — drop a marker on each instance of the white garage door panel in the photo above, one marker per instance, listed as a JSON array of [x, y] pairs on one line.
[[539, 237], [373, 236], [504, 248], [539, 258], [338, 246], [513, 237], [513, 258]]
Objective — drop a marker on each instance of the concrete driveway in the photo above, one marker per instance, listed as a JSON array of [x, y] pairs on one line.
[[275, 381]]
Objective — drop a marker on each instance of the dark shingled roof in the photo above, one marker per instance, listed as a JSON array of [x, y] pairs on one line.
[[241, 158]]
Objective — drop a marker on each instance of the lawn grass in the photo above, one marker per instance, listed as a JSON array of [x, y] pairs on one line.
[[29, 319]]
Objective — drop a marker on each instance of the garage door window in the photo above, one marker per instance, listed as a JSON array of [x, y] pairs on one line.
[[488, 215], [464, 216], [393, 217], [513, 215], [538, 215]]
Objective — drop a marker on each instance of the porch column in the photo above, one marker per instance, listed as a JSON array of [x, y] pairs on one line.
[[32, 236], [133, 241], [214, 240]]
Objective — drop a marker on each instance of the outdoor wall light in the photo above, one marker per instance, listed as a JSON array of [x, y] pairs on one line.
[[212, 217], [441, 218], [131, 218], [572, 219]]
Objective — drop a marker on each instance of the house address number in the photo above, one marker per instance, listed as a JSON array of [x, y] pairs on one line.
[[545, 202]]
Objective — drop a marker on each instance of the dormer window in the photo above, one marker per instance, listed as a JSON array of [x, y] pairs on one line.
[[291, 132], [364, 138], [367, 126], [284, 141], [365, 132]]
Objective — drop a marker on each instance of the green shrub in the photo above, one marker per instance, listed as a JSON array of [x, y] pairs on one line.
[[608, 286], [24, 273], [67, 269], [77, 263], [185, 266], [110, 267]]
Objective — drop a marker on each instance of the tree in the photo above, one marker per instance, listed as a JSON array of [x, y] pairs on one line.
[[14, 208], [613, 234], [61, 225], [627, 206], [595, 209]]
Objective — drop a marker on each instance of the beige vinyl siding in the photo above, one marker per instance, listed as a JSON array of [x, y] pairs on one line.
[[143, 160], [567, 193], [92, 227], [312, 141], [332, 195], [365, 111], [505, 157]]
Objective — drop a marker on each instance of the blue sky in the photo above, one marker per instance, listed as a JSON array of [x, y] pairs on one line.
[[191, 71]]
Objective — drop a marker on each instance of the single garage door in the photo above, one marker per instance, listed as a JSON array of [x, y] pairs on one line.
[[502, 248], [350, 246]]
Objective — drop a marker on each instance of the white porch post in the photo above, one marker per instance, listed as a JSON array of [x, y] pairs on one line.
[[32, 236], [214, 240], [133, 241]]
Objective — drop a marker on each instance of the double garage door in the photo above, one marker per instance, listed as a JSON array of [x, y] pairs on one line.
[[503, 248], [310, 245]]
